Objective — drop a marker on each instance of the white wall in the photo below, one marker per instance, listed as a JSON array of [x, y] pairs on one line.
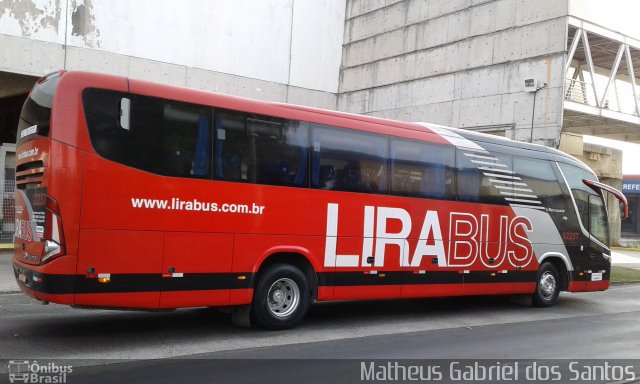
[[42, 20], [293, 42]]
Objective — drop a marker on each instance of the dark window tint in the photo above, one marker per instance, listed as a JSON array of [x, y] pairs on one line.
[[164, 137], [348, 160], [422, 170], [582, 202], [468, 177], [259, 149], [484, 177], [542, 184], [36, 110], [579, 190], [598, 223]]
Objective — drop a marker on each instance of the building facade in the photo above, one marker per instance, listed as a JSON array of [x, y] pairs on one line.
[[540, 71]]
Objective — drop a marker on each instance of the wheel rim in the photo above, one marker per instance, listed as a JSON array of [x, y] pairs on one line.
[[547, 286], [283, 297]]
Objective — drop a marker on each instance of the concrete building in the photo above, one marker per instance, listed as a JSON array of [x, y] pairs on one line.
[[462, 63], [277, 50], [466, 64], [538, 71], [531, 70]]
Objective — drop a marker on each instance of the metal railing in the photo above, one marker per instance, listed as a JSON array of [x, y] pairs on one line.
[[582, 92], [576, 91]]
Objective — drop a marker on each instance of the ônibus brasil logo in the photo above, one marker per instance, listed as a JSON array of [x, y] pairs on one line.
[[25, 371]]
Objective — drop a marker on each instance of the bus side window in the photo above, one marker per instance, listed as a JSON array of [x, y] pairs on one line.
[[542, 183], [579, 190], [164, 137], [485, 176], [348, 160], [261, 149], [468, 178], [598, 223], [421, 169], [186, 140], [229, 148]]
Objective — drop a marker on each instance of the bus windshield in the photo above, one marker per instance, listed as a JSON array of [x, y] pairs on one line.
[[36, 112]]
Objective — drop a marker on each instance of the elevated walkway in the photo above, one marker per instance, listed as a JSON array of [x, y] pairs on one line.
[[601, 93]]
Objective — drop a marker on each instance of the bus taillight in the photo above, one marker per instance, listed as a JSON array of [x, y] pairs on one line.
[[54, 245]]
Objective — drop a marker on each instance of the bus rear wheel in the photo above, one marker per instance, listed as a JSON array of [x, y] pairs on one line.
[[547, 286], [281, 297]]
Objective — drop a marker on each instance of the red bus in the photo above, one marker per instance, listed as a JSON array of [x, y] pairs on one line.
[[139, 195]]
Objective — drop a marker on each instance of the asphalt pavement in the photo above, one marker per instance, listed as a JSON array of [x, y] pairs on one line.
[[541, 344], [7, 279], [201, 343], [30, 330]]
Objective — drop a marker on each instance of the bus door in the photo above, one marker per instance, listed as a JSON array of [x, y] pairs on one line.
[[592, 261], [598, 228]]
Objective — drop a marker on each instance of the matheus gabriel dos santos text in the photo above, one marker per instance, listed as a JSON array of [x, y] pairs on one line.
[[508, 371]]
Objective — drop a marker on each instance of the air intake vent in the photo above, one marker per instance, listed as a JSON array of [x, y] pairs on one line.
[[28, 173]]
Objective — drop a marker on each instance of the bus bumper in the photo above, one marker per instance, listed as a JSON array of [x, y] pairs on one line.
[[52, 288]]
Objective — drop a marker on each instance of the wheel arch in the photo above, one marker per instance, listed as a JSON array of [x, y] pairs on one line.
[[562, 264], [296, 256]]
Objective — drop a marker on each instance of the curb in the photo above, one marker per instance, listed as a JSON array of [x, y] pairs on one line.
[[625, 282]]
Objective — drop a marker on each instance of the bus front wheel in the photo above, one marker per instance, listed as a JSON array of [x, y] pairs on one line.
[[547, 286], [281, 297]]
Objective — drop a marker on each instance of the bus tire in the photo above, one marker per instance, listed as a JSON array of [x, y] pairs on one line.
[[281, 297], [547, 286]]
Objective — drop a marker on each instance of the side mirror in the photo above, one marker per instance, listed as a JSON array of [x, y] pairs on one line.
[[596, 186], [125, 113]]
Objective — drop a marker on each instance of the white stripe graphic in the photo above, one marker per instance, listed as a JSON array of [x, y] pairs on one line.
[[484, 157], [489, 163], [519, 194], [492, 168], [527, 206], [488, 174], [497, 170], [523, 200], [508, 182], [513, 188]]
